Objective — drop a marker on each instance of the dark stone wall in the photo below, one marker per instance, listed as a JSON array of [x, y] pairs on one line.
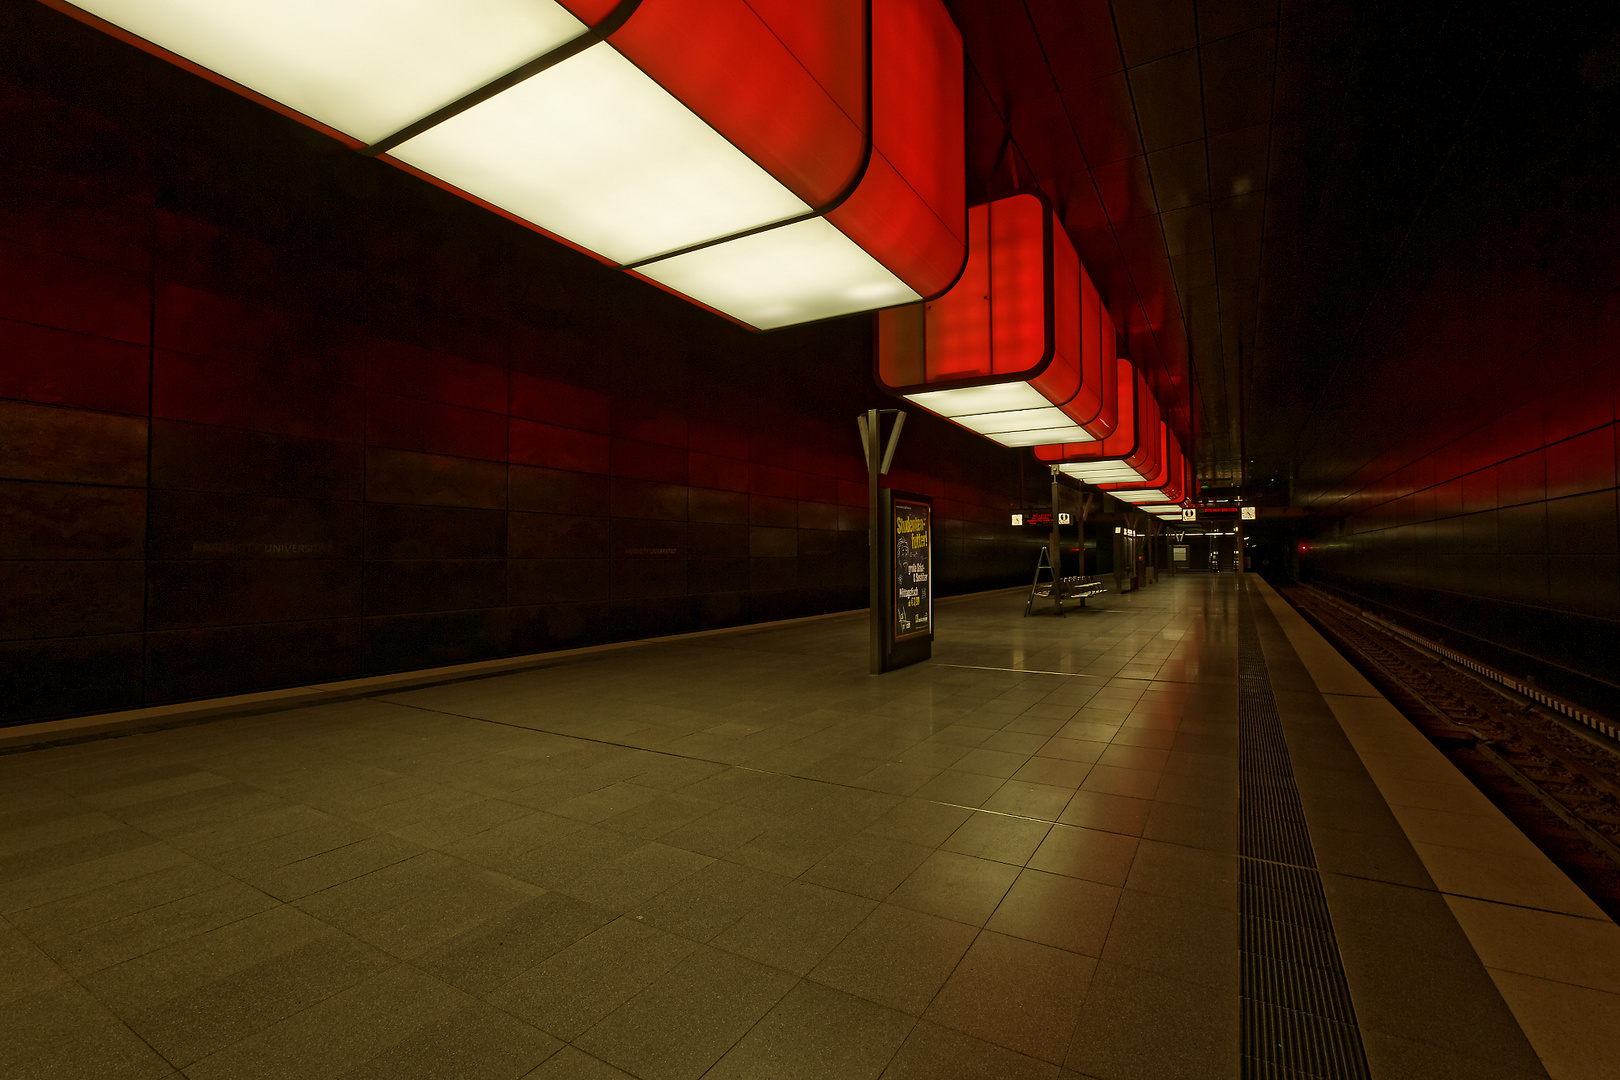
[[272, 413]]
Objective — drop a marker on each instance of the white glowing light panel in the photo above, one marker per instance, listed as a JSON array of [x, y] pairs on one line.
[[601, 155], [590, 149], [807, 270], [1103, 472], [365, 67], [1012, 414]]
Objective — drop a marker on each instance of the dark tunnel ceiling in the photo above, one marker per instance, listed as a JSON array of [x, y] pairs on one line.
[[1243, 178]]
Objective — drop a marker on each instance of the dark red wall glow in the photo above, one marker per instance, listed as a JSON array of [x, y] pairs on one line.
[[273, 414]]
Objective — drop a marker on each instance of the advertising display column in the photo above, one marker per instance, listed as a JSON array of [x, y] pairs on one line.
[[909, 629]]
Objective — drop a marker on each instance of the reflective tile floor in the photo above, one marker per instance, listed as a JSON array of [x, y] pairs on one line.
[[736, 857]]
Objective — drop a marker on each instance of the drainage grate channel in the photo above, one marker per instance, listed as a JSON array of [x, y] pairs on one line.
[[1297, 1017]]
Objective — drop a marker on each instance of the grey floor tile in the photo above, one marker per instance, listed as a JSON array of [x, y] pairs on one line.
[[659, 816], [958, 788], [999, 837], [1176, 937], [669, 773], [1191, 873], [1113, 780], [1193, 826], [722, 831], [1109, 813], [62, 1033], [58, 826], [575, 988], [599, 805], [1063, 912], [350, 789], [711, 900], [476, 1041], [622, 883], [1443, 999], [500, 845], [920, 822], [797, 927], [1053, 771], [932, 1052], [935, 754], [1079, 751], [1015, 993], [853, 783], [897, 957], [1129, 755], [1213, 789], [685, 1021], [1389, 1055], [786, 795], [341, 1033], [24, 969], [817, 1033], [332, 867], [834, 768], [898, 778], [867, 865], [176, 815], [789, 849], [495, 952], [470, 819], [561, 861], [198, 961], [1105, 857], [963, 734], [125, 938], [572, 1064], [1136, 1025], [412, 906], [557, 788], [1026, 799], [258, 857], [91, 875], [997, 763], [956, 886], [1089, 728], [200, 1020], [727, 785], [215, 839]]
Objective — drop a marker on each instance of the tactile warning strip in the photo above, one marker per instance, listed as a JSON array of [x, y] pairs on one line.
[[1298, 1020]]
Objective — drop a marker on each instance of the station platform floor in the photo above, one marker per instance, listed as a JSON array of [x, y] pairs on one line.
[[738, 856]]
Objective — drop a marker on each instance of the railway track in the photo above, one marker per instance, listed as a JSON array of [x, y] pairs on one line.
[[1556, 780]]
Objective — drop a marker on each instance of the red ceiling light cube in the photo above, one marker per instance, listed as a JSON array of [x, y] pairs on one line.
[[1167, 485], [1020, 350], [1128, 456], [777, 161]]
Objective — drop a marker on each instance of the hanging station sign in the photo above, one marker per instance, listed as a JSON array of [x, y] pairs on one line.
[[774, 162]]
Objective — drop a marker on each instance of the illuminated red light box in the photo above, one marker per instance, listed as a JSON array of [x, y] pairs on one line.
[[777, 161], [1021, 349], [1167, 485], [1166, 503], [1131, 454]]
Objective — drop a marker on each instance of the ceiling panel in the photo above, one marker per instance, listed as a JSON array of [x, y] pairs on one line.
[[1180, 175], [1169, 106], [1150, 29], [1188, 229], [1237, 77], [1100, 113]]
